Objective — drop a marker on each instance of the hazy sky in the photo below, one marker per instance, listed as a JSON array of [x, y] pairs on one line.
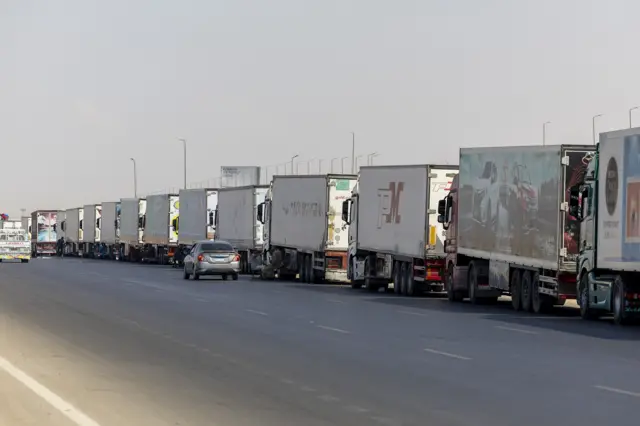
[[86, 84]]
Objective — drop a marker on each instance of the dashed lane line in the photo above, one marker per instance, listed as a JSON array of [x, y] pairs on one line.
[[448, 354]]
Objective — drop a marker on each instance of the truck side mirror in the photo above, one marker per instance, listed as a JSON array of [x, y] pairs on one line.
[[115, 223], [55, 227], [260, 212], [442, 208], [211, 218], [174, 223], [575, 208], [98, 221], [345, 211], [80, 224]]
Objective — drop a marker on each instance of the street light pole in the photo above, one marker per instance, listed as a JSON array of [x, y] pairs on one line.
[[593, 124], [357, 158], [337, 158], [292, 158], [342, 164], [631, 109], [544, 132], [135, 179], [184, 145], [353, 153], [370, 158]]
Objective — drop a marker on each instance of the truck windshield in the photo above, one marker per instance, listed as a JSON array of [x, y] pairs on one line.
[[13, 237]]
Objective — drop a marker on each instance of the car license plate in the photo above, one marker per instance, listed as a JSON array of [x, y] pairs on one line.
[[219, 258]]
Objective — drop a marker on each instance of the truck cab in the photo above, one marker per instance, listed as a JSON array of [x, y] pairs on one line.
[[608, 278]]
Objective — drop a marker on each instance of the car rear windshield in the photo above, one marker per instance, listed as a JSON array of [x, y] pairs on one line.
[[216, 247]]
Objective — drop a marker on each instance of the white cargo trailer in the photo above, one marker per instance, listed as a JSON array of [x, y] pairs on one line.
[[109, 229], [197, 215], [394, 234], [132, 221], [304, 232], [91, 232], [508, 226], [73, 231], [61, 219], [237, 222], [160, 228]]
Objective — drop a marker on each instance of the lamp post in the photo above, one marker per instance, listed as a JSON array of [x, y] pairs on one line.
[[184, 145], [370, 158], [292, 158], [332, 160], [593, 124], [544, 132], [631, 109], [357, 158], [353, 152], [135, 179], [342, 164]]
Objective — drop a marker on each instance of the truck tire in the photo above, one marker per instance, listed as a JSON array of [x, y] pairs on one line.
[[539, 302], [309, 269], [302, 268], [397, 277], [411, 285], [472, 284], [452, 295], [619, 315], [515, 290], [525, 295], [403, 278], [583, 297]]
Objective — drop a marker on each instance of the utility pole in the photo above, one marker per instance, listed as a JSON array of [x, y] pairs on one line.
[[135, 179], [184, 144], [593, 123], [353, 153], [544, 133]]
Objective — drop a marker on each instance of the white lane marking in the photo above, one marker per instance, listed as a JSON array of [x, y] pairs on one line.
[[307, 389], [336, 301], [450, 355], [337, 330], [418, 314], [356, 409], [71, 412], [619, 391], [287, 381], [201, 300], [328, 398], [257, 312], [517, 330]]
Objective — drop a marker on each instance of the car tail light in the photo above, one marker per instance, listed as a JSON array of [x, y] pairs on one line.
[[200, 258], [236, 258]]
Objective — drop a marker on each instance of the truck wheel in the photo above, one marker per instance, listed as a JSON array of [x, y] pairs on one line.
[[525, 295], [403, 278], [354, 284], [452, 294], [368, 282], [619, 315], [539, 302], [195, 276], [302, 268], [472, 284], [583, 297], [309, 269], [411, 285], [515, 290], [397, 277], [185, 274]]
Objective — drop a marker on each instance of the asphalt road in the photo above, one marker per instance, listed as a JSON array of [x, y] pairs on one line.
[[101, 343]]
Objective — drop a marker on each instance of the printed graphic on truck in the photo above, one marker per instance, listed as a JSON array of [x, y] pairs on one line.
[[174, 213], [118, 212], [509, 201], [212, 207], [630, 206], [337, 229], [142, 217], [440, 185], [46, 227]]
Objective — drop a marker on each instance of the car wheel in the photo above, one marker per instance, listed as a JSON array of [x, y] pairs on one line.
[[196, 276], [234, 277], [185, 274], [224, 277]]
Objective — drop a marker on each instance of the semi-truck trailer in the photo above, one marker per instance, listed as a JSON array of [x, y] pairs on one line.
[[90, 244], [237, 223], [394, 234], [109, 229], [26, 224], [43, 232], [160, 234], [508, 228], [304, 232], [73, 231], [197, 219], [606, 202], [132, 223]]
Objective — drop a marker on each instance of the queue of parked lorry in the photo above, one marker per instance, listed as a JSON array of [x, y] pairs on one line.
[[542, 224]]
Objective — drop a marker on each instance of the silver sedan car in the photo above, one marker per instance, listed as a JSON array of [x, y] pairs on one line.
[[212, 258]]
